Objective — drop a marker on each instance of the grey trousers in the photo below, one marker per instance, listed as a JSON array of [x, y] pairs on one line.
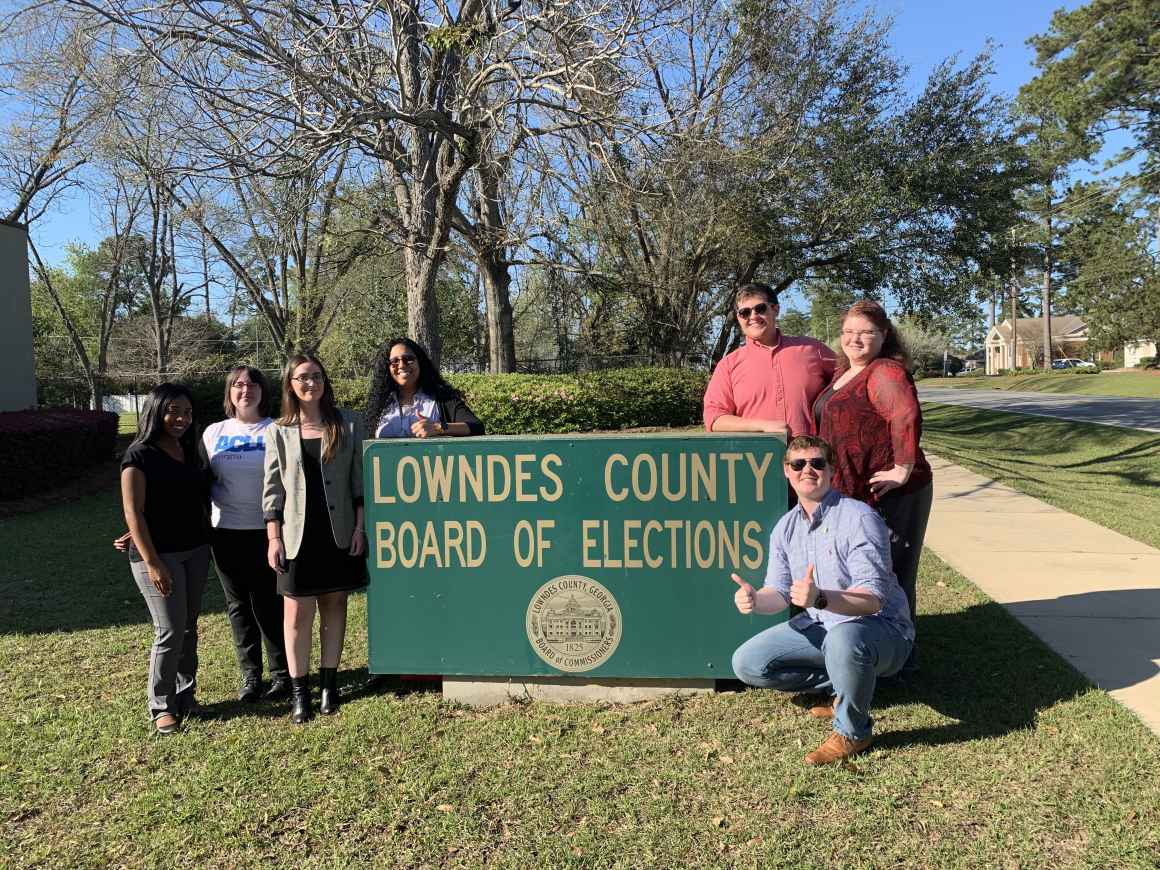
[[173, 660]]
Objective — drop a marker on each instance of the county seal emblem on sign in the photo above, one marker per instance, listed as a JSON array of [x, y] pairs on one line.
[[574, 623]]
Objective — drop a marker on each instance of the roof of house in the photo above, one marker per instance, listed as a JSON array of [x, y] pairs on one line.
[[1030, 328]]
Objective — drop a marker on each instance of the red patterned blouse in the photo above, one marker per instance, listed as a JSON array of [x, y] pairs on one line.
[[874, 423]]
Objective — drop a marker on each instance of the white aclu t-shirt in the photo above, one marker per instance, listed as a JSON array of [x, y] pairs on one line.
[[237, 455]]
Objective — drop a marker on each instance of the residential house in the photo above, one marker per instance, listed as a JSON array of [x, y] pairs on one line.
[[1069, 338]]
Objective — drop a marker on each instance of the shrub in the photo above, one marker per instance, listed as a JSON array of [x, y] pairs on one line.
[[41, 449], [208, 391], [519, 404], [1147, 362]]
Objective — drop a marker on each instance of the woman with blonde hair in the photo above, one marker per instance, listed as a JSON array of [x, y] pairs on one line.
[[313, 506]]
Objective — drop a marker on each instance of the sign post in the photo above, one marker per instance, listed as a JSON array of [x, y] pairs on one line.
[[525, 560]]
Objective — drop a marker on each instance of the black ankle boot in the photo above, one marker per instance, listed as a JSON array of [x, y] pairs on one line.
[[328, 682], [300, 708]]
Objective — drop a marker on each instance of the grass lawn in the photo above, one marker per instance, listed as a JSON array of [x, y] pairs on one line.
[[1139, 384], [127, 424], [998, 755], [1108, 475]]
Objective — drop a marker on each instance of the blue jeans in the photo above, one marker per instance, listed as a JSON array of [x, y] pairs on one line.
[[845, 660]]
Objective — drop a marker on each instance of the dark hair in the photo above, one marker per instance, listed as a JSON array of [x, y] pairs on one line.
[[755, 289], [333, 432], [151, 422], [892, 346], [256, 376], [384, 390], [810, 442]]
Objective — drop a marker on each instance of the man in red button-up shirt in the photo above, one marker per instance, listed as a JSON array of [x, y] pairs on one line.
[[769, 383]]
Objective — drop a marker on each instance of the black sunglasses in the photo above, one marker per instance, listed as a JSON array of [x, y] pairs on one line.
[[759, 308], [815, 462]]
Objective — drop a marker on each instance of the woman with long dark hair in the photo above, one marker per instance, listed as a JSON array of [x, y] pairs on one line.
[[871, 416], [409, 398], [312, 502], [235, 451], [164, 490]]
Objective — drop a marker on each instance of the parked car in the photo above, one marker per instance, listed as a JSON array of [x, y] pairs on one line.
[[1072, 363]]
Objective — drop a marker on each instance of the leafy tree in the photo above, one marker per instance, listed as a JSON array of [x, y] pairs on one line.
[[1113, 278], [1101, 72]]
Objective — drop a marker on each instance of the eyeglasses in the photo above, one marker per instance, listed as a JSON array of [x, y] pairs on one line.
[[401, 360], [312, 378], [759, 308], [864, 334], [241, 385], [815, 462]]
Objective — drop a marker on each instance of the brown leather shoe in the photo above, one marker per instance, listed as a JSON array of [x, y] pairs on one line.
[[824, 710], [838, 748]]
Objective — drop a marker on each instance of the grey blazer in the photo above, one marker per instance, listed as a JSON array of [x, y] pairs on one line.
[[284, 486]]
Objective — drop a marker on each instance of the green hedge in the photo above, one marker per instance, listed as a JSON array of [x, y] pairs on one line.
[[533, 404], [544, 404], [45, 448]]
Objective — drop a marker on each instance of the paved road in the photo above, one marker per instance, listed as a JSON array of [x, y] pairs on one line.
[[1106, 410]]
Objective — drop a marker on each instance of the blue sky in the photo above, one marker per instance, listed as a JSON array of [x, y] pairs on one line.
[[925, 32]]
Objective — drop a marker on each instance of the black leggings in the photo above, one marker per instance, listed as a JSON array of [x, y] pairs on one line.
[[252, 600], [906, 515]]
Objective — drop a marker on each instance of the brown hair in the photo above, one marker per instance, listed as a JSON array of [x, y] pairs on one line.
[[892, 346], [333, 432], [755, 288], [255, 376], [810, 442]]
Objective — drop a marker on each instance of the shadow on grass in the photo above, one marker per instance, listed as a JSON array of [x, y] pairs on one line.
[[980, 668], [353, 684]]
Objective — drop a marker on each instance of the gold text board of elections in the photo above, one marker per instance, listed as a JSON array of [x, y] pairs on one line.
[[606, 555]]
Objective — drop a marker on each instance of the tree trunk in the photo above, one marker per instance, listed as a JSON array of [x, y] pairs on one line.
[[721, 345], [422, 306], [501, 339], [1014, 326], [1047, 267]]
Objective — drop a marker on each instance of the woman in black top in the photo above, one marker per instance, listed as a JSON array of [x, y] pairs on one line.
[[164, 490], [410, 399]]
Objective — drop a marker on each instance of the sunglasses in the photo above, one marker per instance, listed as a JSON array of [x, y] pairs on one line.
[[759, 308], [815, 462], [402, 359]]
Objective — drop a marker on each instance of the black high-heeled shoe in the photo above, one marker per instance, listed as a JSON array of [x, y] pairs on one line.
[[328, 682], [301, 709]]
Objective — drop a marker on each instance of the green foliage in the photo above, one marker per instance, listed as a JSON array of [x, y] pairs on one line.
[[542, 404], [1147, 362], [42, 449], [1114, 278], [1100, 70]]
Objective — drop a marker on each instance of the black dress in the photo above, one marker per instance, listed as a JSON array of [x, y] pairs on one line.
[[321, 566]]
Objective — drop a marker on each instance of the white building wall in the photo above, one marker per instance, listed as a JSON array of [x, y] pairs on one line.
[[18, 386], [1134, 351]]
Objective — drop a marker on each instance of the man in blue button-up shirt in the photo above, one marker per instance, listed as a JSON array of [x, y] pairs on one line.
[[830, 555]]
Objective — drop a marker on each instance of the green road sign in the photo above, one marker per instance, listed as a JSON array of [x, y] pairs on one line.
[[601, 555]]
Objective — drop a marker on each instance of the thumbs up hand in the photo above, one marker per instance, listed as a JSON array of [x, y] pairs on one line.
[[424, 428], [744, 597], [803, 592]]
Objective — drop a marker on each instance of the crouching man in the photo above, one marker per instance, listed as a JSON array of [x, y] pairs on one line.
[[831, 555]]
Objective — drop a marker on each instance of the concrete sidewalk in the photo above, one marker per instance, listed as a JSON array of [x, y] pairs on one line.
[[1091, 594]]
